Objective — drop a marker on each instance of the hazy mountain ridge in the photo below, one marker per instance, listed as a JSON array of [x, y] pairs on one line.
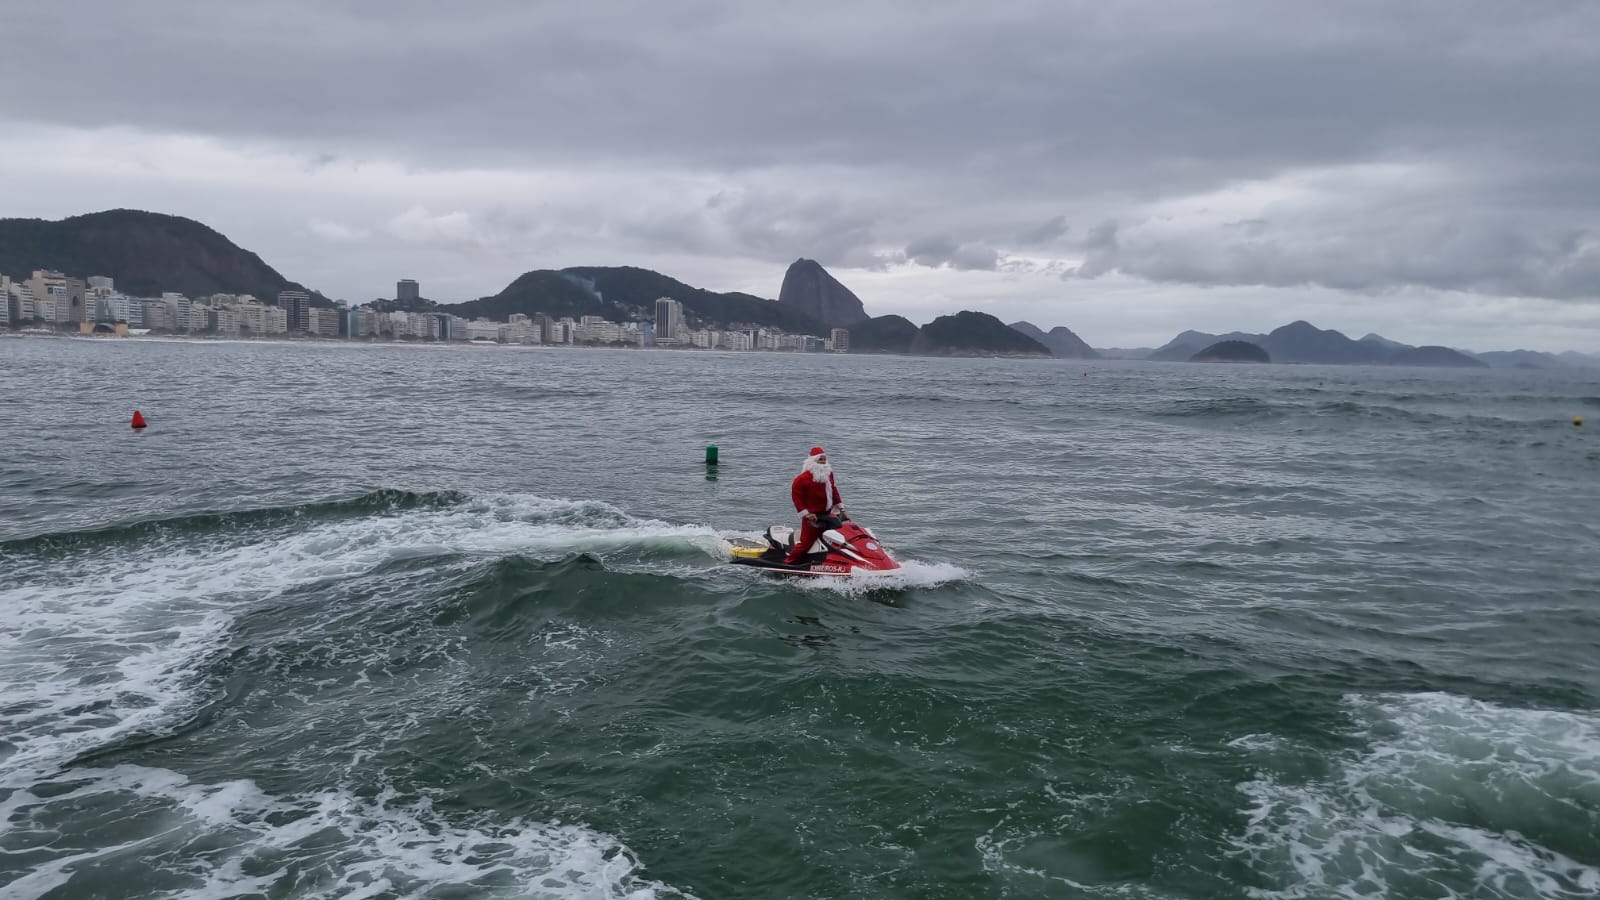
[[1060, 340], [1302, 342]]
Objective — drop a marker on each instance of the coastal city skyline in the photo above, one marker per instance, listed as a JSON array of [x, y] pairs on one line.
[[53, 302]]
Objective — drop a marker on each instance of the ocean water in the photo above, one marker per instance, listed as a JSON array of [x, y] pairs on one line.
[[413, 621]]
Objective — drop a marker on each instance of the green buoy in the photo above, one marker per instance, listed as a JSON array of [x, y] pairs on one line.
[[711, 454]]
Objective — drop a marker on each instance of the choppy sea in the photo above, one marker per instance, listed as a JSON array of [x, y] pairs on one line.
[[438, 622]]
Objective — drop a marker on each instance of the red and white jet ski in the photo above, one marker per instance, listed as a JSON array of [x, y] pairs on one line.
[[844, 549]]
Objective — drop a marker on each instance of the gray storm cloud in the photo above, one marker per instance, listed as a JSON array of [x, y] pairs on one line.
[[1099, 138]]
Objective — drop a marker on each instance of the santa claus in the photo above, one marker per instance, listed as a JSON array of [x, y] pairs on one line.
[[816, 498]]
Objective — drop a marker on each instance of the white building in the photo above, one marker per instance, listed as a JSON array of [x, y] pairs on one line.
[[182, 311], [274, 319], [251, 319], [483, 329], [158, 316], [128, 309], [18, 298], [199, 317]]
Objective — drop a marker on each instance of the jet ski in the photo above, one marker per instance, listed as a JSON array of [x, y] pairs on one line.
[[844, 549]]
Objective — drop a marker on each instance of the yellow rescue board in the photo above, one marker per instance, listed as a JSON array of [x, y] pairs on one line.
[[745, 548]]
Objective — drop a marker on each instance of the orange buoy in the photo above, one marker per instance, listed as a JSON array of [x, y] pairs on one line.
[[138, 419]]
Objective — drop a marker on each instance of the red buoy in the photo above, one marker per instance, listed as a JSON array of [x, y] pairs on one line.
[[138, 419]]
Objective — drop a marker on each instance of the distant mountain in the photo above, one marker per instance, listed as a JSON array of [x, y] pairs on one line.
[[553, 293], [1125, 352], [1061, 341], [1232, 352], [1381, 341], [624, 293], [811, 291], [146, 253], [1188, 343], [1581, 360], [1303, 342], [1521, 359], [1433, 356], [884, 334], [970, 333]]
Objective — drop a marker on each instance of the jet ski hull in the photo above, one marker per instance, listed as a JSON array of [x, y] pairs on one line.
[[843, 551]]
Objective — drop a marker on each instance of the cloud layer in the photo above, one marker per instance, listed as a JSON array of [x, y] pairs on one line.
[[1040, 158]]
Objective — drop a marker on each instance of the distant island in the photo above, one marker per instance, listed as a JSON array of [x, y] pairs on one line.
[[1232, 352], [109, 268]]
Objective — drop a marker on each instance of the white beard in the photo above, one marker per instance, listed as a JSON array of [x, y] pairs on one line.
[[820, 472]]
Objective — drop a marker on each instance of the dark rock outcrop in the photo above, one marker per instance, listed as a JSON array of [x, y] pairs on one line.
[[1060, 340], [146, 253], [883, 334], [1232, 352], [970, 333], [809, 289]]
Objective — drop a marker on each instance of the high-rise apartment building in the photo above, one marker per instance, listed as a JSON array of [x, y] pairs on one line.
[[66, 293], [841, 340], [407, 289], [296, 306], [669, 321]]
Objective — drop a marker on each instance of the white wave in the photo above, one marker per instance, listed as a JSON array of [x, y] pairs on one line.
[[233, 839], [104, 643], [1452, 797], [64, 698]]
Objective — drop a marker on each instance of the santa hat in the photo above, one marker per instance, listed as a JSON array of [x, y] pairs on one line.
[[816, 451]]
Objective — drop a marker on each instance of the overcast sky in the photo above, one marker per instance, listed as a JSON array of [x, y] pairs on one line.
[[1425, 169]]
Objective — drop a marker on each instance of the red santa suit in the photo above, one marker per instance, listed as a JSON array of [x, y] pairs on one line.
[[813, 491]]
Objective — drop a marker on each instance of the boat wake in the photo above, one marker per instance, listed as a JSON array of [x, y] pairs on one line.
[[1452, 797], [233, 839], [111, 637]]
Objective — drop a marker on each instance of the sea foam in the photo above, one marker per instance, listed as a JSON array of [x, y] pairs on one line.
[[1451, 797]]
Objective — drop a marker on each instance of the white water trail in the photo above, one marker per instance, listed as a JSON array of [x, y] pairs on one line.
[[113, 641], [1447, 786]]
